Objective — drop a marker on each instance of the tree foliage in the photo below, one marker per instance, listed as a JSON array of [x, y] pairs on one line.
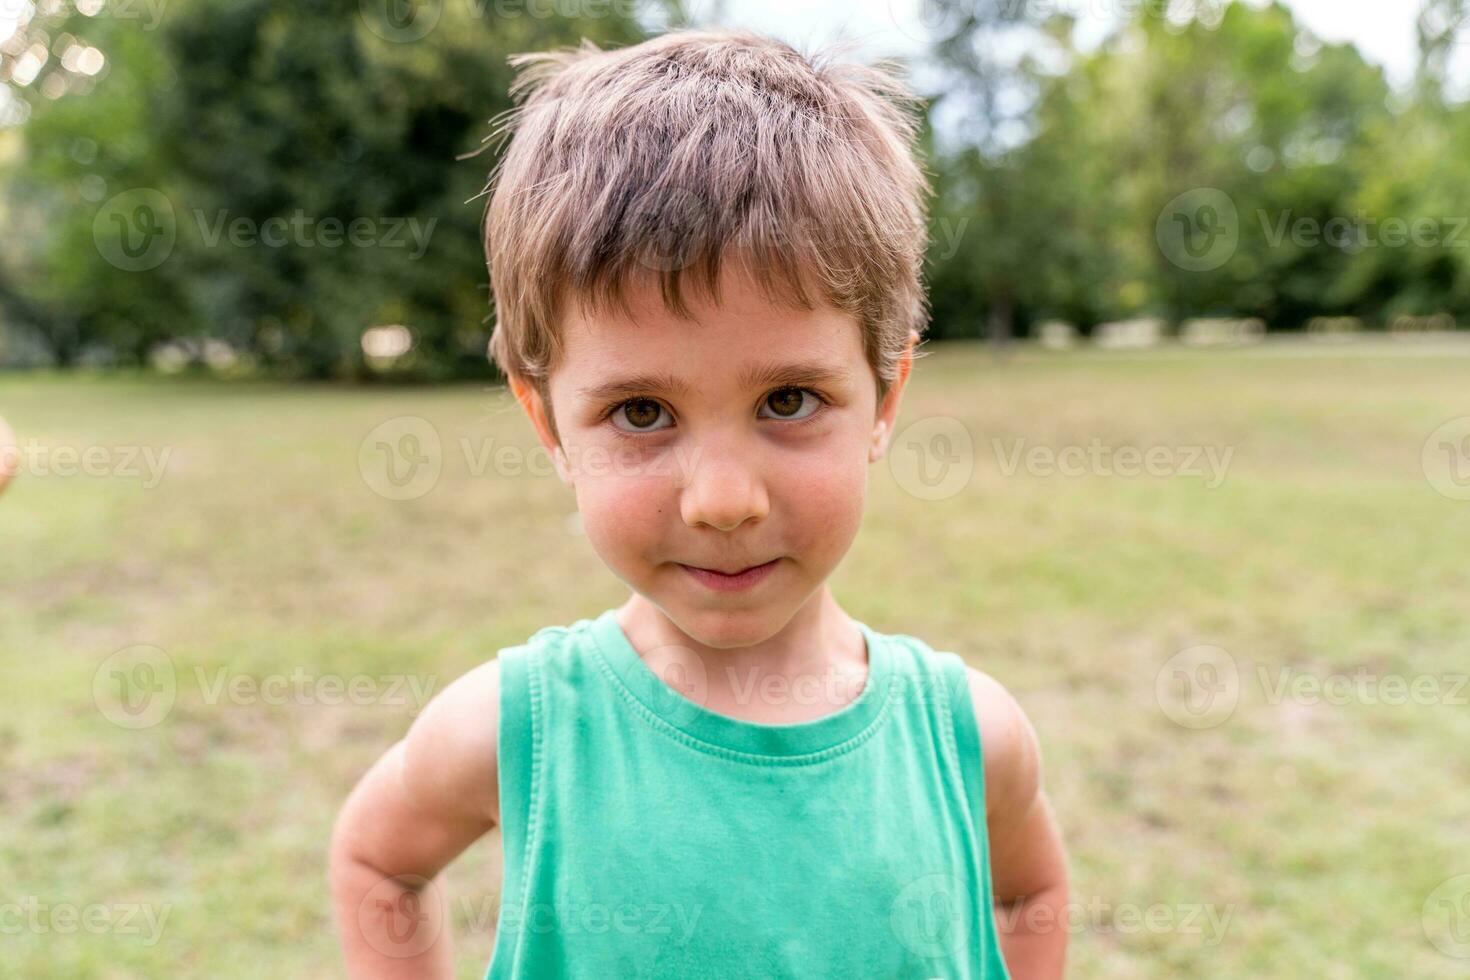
[[280, 175]]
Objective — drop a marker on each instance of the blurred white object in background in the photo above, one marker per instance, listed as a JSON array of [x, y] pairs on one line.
[[1142, 332], [1222, 332], [1406, 326], [382, 346], [1334, 327], [1056, 335]]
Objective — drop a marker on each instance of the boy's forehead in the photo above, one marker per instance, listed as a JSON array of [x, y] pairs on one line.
[[740, 335]]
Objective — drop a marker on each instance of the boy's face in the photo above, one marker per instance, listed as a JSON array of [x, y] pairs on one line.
[[738, 440]]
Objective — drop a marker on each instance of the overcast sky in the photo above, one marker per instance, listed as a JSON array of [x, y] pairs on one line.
[[1382, 29]]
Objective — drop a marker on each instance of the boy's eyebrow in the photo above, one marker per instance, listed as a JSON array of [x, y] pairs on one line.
[[775, 375], [642, 384]]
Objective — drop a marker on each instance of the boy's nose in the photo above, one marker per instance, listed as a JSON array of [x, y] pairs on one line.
[[723, 491]]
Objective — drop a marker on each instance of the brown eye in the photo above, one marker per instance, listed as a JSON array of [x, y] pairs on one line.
[[792, 403], [641, 414]]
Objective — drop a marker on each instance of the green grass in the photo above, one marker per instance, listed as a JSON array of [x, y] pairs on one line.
[[1323, 828]]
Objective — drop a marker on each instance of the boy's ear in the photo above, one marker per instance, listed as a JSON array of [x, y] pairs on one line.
[[888, 408], [539, 413]]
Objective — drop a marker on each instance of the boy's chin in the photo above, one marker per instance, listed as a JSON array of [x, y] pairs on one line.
[[730, 625]]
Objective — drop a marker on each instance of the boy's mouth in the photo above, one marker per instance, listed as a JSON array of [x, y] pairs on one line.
[[732, 581]]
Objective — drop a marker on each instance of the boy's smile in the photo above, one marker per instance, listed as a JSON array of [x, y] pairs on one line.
[[732, 581], [743, 437]]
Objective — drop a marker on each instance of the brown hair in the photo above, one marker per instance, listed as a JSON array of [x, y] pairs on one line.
[[668, 157]]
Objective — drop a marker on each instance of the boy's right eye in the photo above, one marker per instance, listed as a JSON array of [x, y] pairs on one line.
[[638, 415]]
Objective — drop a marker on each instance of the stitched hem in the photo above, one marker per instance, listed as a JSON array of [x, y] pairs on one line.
[[749, 758]]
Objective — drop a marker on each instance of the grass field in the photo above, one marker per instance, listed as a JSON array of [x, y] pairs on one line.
[[1301, 836]]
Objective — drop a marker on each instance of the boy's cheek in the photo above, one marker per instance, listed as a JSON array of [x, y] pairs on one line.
[[633, 510], [823, 509], [622, 515]]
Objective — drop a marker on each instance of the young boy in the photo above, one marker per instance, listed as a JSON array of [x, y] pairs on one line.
[[705, 251]]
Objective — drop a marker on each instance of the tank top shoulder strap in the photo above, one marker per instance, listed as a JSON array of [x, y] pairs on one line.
[[966, 733], [521, 733], [953, 714], [517, 756]]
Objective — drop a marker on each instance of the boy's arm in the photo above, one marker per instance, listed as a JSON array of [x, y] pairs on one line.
[[427, 799], [1027, 858]]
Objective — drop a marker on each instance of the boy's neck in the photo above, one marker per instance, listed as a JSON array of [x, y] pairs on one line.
[[820, 656]]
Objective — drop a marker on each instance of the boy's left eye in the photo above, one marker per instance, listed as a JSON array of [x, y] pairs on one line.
[[788, 404]]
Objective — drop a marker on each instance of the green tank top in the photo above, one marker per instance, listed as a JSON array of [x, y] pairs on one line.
[[647, 836]]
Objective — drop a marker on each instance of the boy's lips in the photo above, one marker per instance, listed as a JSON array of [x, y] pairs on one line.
[[730, 581]]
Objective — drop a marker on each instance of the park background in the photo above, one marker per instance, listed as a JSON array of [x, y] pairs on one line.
[[1188, 464]]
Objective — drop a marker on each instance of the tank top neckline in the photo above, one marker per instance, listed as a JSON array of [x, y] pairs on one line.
[[667, 706]]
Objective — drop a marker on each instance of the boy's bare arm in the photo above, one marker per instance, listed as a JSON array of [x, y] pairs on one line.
[[1027, 858], [424, 802]]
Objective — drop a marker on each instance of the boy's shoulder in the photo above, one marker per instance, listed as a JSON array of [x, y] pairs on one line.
[[452, 749], [1009, 746], [1010, 750]]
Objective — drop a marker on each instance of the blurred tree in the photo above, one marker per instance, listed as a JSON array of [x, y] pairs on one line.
[[986, 97], [278, 174], [84, 134], [1231, 115], [283, 175]]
